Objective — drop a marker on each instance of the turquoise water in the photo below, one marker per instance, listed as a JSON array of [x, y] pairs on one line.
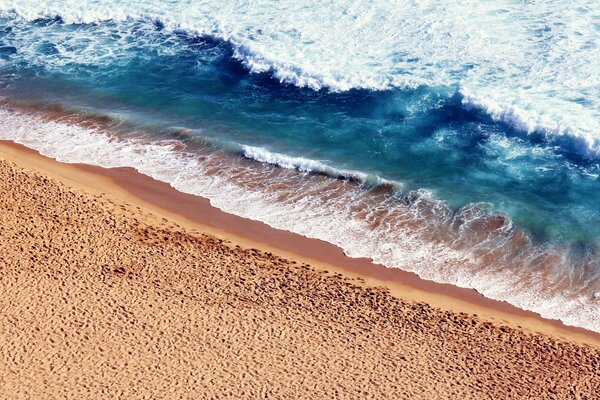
[[430, 137]]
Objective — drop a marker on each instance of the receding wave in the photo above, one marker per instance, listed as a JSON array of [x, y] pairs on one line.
[[471, 247]]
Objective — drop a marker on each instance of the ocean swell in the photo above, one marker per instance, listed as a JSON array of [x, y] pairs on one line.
[[529, 65]]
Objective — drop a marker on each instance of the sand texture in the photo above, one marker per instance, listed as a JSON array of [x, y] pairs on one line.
[[99, 299]]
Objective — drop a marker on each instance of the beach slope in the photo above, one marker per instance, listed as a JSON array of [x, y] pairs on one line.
[[102, 298]]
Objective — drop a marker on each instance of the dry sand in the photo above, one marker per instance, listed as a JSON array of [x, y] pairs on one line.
[[102, 296]]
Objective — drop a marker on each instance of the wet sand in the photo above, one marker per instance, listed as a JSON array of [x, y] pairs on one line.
[[115, 285]]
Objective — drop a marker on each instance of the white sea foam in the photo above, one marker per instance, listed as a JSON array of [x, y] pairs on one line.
[[533, 65], [281, 160], [340, 218], [559, 119], [302, 164]]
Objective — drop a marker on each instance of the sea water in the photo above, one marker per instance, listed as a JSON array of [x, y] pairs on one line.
[[458, 141]]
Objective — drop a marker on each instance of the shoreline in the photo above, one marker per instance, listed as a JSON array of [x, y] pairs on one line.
[[196, 214]]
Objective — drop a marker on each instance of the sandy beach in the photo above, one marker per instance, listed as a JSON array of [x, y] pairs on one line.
[[114, 285]]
